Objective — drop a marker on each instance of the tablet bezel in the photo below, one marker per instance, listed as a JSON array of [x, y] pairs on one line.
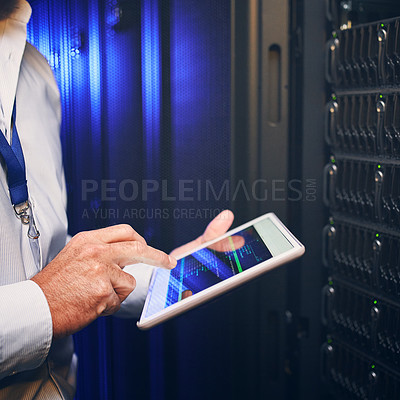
[[227, 284]]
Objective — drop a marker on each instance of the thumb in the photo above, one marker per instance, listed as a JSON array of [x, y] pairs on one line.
[[218, 226], [122, 283]]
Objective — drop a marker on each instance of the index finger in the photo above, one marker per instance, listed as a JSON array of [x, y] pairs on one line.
[[133, 252], [117, 233]]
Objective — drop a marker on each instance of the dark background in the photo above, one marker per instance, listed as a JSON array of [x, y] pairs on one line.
[[227, 93]]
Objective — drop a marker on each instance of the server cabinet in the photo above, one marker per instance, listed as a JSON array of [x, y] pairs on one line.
[[360, 302]]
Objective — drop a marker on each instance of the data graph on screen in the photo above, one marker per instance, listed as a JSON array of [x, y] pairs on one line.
[[209, 266]]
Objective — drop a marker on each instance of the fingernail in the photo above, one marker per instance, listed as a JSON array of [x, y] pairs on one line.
[[172, 261]]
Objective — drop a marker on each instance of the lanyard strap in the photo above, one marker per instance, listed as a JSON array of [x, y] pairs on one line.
[[16, 179], [14, 159]]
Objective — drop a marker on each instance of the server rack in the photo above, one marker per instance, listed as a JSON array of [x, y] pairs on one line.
[[361, 241]]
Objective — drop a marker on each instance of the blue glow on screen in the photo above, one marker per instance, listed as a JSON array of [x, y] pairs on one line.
[[209, 266], [214, 264]]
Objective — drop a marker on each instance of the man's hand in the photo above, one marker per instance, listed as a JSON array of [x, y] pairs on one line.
[[217, 227], [86, 280]]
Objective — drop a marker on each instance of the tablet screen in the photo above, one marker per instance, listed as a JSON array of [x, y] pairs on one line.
[[213, 264]]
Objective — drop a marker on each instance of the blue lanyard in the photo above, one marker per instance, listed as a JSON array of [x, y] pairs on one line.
[[14, 159], [16, 177]]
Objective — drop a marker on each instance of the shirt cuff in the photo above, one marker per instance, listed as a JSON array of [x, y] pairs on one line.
[[132, 306], [26, 328]]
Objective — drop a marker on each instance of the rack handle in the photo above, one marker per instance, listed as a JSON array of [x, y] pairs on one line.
[[380, 109], [328, 235], [378, 194], [331, 111], [326, 296], [326, 353], [330, 60], [329, 183], [382, 35]]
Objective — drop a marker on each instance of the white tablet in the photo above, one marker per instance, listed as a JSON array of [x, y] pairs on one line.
[[218, 266]]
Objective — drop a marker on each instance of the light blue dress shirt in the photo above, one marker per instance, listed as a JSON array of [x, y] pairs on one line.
[[32, 365]]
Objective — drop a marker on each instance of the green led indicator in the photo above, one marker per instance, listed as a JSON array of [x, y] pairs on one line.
[[373, 366], [329, 340], [331, 222], [377, 235], [334, 34], [333, 160], [379, 165], [381, 96], [375, 302], [334, 97], [330, 283], [382, 25]]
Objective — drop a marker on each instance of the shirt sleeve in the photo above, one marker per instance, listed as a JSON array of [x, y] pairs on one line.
[[132, 306], [26, 328]]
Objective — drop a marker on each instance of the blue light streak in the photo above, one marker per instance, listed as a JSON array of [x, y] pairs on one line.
[[151, 84], [95, 74]]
